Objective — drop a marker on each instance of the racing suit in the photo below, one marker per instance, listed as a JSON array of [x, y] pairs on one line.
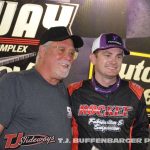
[[108, 121]]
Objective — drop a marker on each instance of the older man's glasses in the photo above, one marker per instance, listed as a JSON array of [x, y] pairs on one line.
[[72, 53]]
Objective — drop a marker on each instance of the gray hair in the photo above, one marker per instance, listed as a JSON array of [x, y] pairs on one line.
[[46, 45]]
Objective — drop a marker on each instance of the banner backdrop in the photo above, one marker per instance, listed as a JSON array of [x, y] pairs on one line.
[[23, 21]]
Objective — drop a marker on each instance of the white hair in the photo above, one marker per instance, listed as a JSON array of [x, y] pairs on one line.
[[46, 45]]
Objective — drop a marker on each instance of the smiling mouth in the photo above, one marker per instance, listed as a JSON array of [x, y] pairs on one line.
[[65, 65], [112, 68]]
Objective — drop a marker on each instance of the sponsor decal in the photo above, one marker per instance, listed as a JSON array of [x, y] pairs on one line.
[[113, 39], [69, 112], [104, 111], [103, 125]]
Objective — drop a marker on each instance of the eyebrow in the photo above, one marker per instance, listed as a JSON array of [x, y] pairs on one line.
[[108, 52]]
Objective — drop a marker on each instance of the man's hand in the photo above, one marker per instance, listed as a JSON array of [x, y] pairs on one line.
[[1, 128]]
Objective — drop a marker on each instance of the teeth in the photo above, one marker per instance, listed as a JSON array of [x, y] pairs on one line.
[[112, 67], [65, 65]]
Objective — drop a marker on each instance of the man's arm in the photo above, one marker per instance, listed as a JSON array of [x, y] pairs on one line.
[[141, 124], [1, 128], [140, 129], [7, 99]]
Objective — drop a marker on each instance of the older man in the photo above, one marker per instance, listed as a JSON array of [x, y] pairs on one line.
[[34, 108]]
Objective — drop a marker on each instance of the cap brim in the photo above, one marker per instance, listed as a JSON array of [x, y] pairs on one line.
[[126, 52]]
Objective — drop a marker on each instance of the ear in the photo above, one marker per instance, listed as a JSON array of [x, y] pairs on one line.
[[41, 51], [92, 58]]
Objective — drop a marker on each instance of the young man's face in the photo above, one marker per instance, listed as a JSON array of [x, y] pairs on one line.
[[107, 62]]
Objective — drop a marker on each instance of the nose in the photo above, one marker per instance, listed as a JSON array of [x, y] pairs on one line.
[[113, 60]]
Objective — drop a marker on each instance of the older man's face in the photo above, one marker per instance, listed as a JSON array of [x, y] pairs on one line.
[[59, 57]]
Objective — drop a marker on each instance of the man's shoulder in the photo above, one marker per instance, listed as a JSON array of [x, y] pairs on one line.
[[10, 76], [77, 85], [74, 86], [13, 76], [136, 89]]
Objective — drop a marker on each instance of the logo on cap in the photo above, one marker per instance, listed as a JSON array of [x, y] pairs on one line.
[[113, 39]]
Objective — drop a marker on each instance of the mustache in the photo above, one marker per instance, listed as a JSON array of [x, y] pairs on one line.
[[65, 62]]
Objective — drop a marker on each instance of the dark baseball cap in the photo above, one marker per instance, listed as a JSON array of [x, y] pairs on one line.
[[109, 40], [60, 33]]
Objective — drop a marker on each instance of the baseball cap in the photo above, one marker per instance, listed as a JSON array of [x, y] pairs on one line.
[[60, 33], [109, 40]]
